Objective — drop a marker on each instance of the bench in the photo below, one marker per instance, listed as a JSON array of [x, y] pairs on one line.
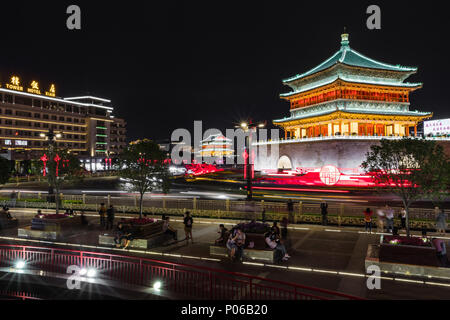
[[49, 229], [397, 259], [149, 237], [260, 251]]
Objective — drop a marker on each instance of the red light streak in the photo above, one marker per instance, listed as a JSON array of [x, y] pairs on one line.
[[300, 189]]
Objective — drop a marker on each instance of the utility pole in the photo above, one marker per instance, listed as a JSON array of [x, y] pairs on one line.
[[248, 166], [52, 178]]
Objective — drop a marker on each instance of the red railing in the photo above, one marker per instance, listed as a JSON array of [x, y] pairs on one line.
[[185, 281]]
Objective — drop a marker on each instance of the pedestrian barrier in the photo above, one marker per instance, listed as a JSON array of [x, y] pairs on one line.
[[234, 209], [196, 282]]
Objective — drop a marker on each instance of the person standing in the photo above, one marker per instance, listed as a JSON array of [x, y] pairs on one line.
[[102, 214], [110, 217], [284, 230], [368, 219], [263, 215], [380, 220], [389, 218], [441, 251], [441, 221], [83, 219], [324, 212], [290, 206], [188, 222], [402, 217]]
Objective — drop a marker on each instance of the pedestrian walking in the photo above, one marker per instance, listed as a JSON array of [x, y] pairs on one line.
[[188, 222], [83, 219], [284, 223], [263, 215], [380, 220], [441, 251], [290, 206], [389, 213], [324, 212], [403, 218], [102, 214], [441, 220], [110, 213], [368, 219]]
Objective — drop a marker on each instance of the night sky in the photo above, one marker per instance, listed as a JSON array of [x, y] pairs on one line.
[[164, 65]]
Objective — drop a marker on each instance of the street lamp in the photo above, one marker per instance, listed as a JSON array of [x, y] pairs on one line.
[[247, 126], [51, 136]]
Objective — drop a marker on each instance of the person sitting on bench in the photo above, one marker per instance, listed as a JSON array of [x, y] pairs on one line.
[[273, 242], [167, 229], [121, 234], [223, 234], [236, 243]]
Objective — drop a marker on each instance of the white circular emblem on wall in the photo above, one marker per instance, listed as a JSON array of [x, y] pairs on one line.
[[329, 175]]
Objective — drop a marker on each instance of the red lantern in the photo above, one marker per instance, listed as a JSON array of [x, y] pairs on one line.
[[44, 159], [57, 159]]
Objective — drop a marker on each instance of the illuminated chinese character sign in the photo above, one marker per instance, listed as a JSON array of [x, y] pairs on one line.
[[51, 92], [329, 175], [435, 127], [15, 83], [34, 88]]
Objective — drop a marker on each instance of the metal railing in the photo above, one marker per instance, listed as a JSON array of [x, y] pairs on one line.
[[196, 282], [201, 207]]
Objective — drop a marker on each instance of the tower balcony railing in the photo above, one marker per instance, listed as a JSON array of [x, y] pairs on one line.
[[343, 137]]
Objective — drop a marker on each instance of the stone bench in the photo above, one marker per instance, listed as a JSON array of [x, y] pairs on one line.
[[148, 242], [27, 232], [249, 254], [260, 250], [413, 261]]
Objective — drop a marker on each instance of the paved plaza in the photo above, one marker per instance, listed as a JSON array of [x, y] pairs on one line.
[[324, 257]]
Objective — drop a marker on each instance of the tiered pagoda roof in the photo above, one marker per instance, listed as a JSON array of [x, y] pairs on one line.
[[350, 83]]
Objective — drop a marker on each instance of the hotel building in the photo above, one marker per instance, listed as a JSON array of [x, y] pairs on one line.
[[86, 124]]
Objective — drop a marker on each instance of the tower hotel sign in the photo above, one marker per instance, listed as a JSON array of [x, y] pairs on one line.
[[15, 84]]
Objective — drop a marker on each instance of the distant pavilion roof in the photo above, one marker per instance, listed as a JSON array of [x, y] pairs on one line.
[[350, 57]]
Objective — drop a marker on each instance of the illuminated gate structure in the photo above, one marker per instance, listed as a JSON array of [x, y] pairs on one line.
[[338, 110], [351, 94]]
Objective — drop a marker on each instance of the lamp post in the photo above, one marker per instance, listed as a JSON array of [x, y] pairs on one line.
[[51, 136], [249, 126]]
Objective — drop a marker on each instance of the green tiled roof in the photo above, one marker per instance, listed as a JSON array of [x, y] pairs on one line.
[[350, 57]]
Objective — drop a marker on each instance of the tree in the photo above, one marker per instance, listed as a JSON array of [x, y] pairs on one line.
[[142, 166], [409, 167], [5, 170]]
